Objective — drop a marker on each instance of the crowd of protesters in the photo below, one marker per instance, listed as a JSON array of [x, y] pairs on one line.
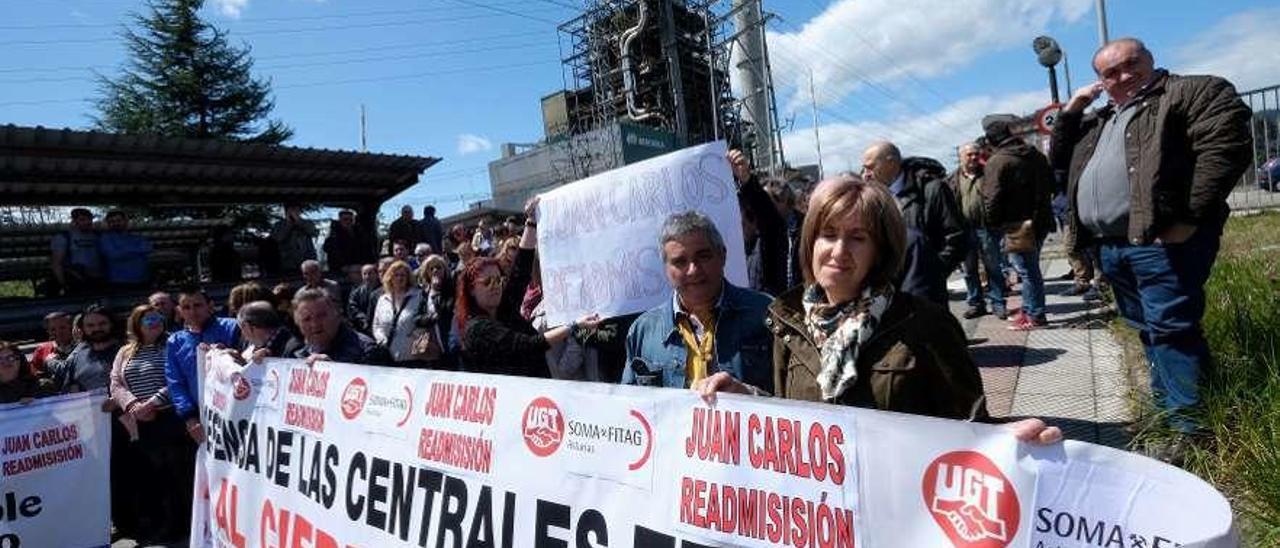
[[846, 304]]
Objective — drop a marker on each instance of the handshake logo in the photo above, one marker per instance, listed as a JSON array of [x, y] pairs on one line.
[[971, 500]]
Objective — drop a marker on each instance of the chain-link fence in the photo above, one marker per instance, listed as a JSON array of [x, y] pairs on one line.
[[1260, 186]]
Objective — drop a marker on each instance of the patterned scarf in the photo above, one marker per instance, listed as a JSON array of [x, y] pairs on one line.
[[839, 331]]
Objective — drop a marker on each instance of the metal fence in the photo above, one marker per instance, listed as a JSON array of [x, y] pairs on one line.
[[1259, 188]]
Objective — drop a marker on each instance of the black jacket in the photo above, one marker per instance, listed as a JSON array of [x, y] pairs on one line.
[[507, 344], [922, 272], [779, 246], [360, 306], [345, 247], [348, 346], [929, 206]]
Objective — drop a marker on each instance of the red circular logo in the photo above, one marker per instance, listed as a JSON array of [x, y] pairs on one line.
[[240, 386], [972, 501], [353, 398], [543, 427]]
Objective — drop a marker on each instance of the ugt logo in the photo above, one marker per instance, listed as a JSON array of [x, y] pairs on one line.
[[972, 501], [353, 398], [543, 427]]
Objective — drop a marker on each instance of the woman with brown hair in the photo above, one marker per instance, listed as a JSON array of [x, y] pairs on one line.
[[160, 454], [847, 336], [246, 293]]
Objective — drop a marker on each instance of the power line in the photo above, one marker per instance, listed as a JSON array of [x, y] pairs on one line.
[[416, 75], [846, 102], [388, 47], [858, 75], [257, 20], [524, 46], [565, 5], [386, 78], [885, 55], [498, 9], [274, 32]]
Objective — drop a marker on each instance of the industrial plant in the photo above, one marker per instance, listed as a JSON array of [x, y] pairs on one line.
[[643, 78]]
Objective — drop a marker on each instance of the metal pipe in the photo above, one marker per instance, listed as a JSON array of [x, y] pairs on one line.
[[1066, 66], [628, 75], [1053, 85], [817, 137], [1101, 8]]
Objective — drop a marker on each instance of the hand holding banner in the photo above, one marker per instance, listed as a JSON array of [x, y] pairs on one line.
[[372, 456]]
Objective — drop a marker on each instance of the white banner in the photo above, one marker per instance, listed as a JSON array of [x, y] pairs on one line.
[[598, 237], [342, 455], [54, 473]]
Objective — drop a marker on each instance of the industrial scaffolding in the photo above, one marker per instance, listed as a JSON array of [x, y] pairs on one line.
[[663, 64]]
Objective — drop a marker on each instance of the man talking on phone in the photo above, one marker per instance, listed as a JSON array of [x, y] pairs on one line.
[[1148, 177]]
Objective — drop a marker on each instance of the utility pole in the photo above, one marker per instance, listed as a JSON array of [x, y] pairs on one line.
[[817, 137], [364, 141], [1066, 66], [1101, 7]]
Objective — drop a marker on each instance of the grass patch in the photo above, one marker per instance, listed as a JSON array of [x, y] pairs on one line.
[[1241, 394], [16, 288]]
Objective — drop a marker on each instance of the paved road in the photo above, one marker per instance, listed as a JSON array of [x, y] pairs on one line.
[[1070, 373]]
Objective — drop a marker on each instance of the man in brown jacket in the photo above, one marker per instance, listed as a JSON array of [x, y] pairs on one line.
[[1148, 178], [1018, 187]]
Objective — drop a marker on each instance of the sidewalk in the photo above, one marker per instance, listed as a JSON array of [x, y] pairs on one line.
[[1070, 373]]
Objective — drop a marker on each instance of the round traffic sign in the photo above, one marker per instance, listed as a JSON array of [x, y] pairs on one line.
[[1046, 117]]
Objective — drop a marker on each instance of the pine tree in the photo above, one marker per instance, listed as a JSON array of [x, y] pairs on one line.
[[183, 79]]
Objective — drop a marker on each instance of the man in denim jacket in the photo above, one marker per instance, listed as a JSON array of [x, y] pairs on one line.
[[709, 325]]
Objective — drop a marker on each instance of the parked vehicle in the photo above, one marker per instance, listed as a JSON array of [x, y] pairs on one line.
[[1269, 175]]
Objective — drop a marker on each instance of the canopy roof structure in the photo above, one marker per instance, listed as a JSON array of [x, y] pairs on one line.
[[42, 166]]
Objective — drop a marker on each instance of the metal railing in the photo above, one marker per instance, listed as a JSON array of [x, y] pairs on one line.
[[1259, 187]]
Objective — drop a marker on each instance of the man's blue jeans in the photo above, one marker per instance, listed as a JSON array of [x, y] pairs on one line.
[[984, 246], [1028, 267], [1159, 290]]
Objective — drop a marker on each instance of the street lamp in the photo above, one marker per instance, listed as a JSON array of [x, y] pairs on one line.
[[1049, 54]]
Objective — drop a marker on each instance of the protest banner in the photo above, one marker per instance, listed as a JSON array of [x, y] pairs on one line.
[[55, 465], [342, 455], [598, 237]]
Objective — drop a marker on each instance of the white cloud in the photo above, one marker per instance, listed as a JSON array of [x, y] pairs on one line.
[[1241, 48], [934, 134], [884, 41], [231, 8], [470, 144]]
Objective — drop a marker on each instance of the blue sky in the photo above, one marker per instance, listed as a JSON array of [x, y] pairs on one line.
[[455, 78]]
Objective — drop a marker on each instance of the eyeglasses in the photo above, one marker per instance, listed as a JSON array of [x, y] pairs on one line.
[[152, 320], [491, 281], [8, 358]]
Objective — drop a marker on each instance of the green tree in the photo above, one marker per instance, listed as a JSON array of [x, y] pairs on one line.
[[184, 79]]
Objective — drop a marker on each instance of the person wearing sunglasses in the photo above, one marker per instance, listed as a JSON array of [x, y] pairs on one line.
[[156, 461], [495, 337]]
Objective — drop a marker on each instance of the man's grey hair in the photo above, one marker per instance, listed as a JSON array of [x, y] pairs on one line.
[[259, 314], [422, 248], [971, 145], [310, 264], [1128, 40], [679, 225], [312, 295], [887, 151]]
